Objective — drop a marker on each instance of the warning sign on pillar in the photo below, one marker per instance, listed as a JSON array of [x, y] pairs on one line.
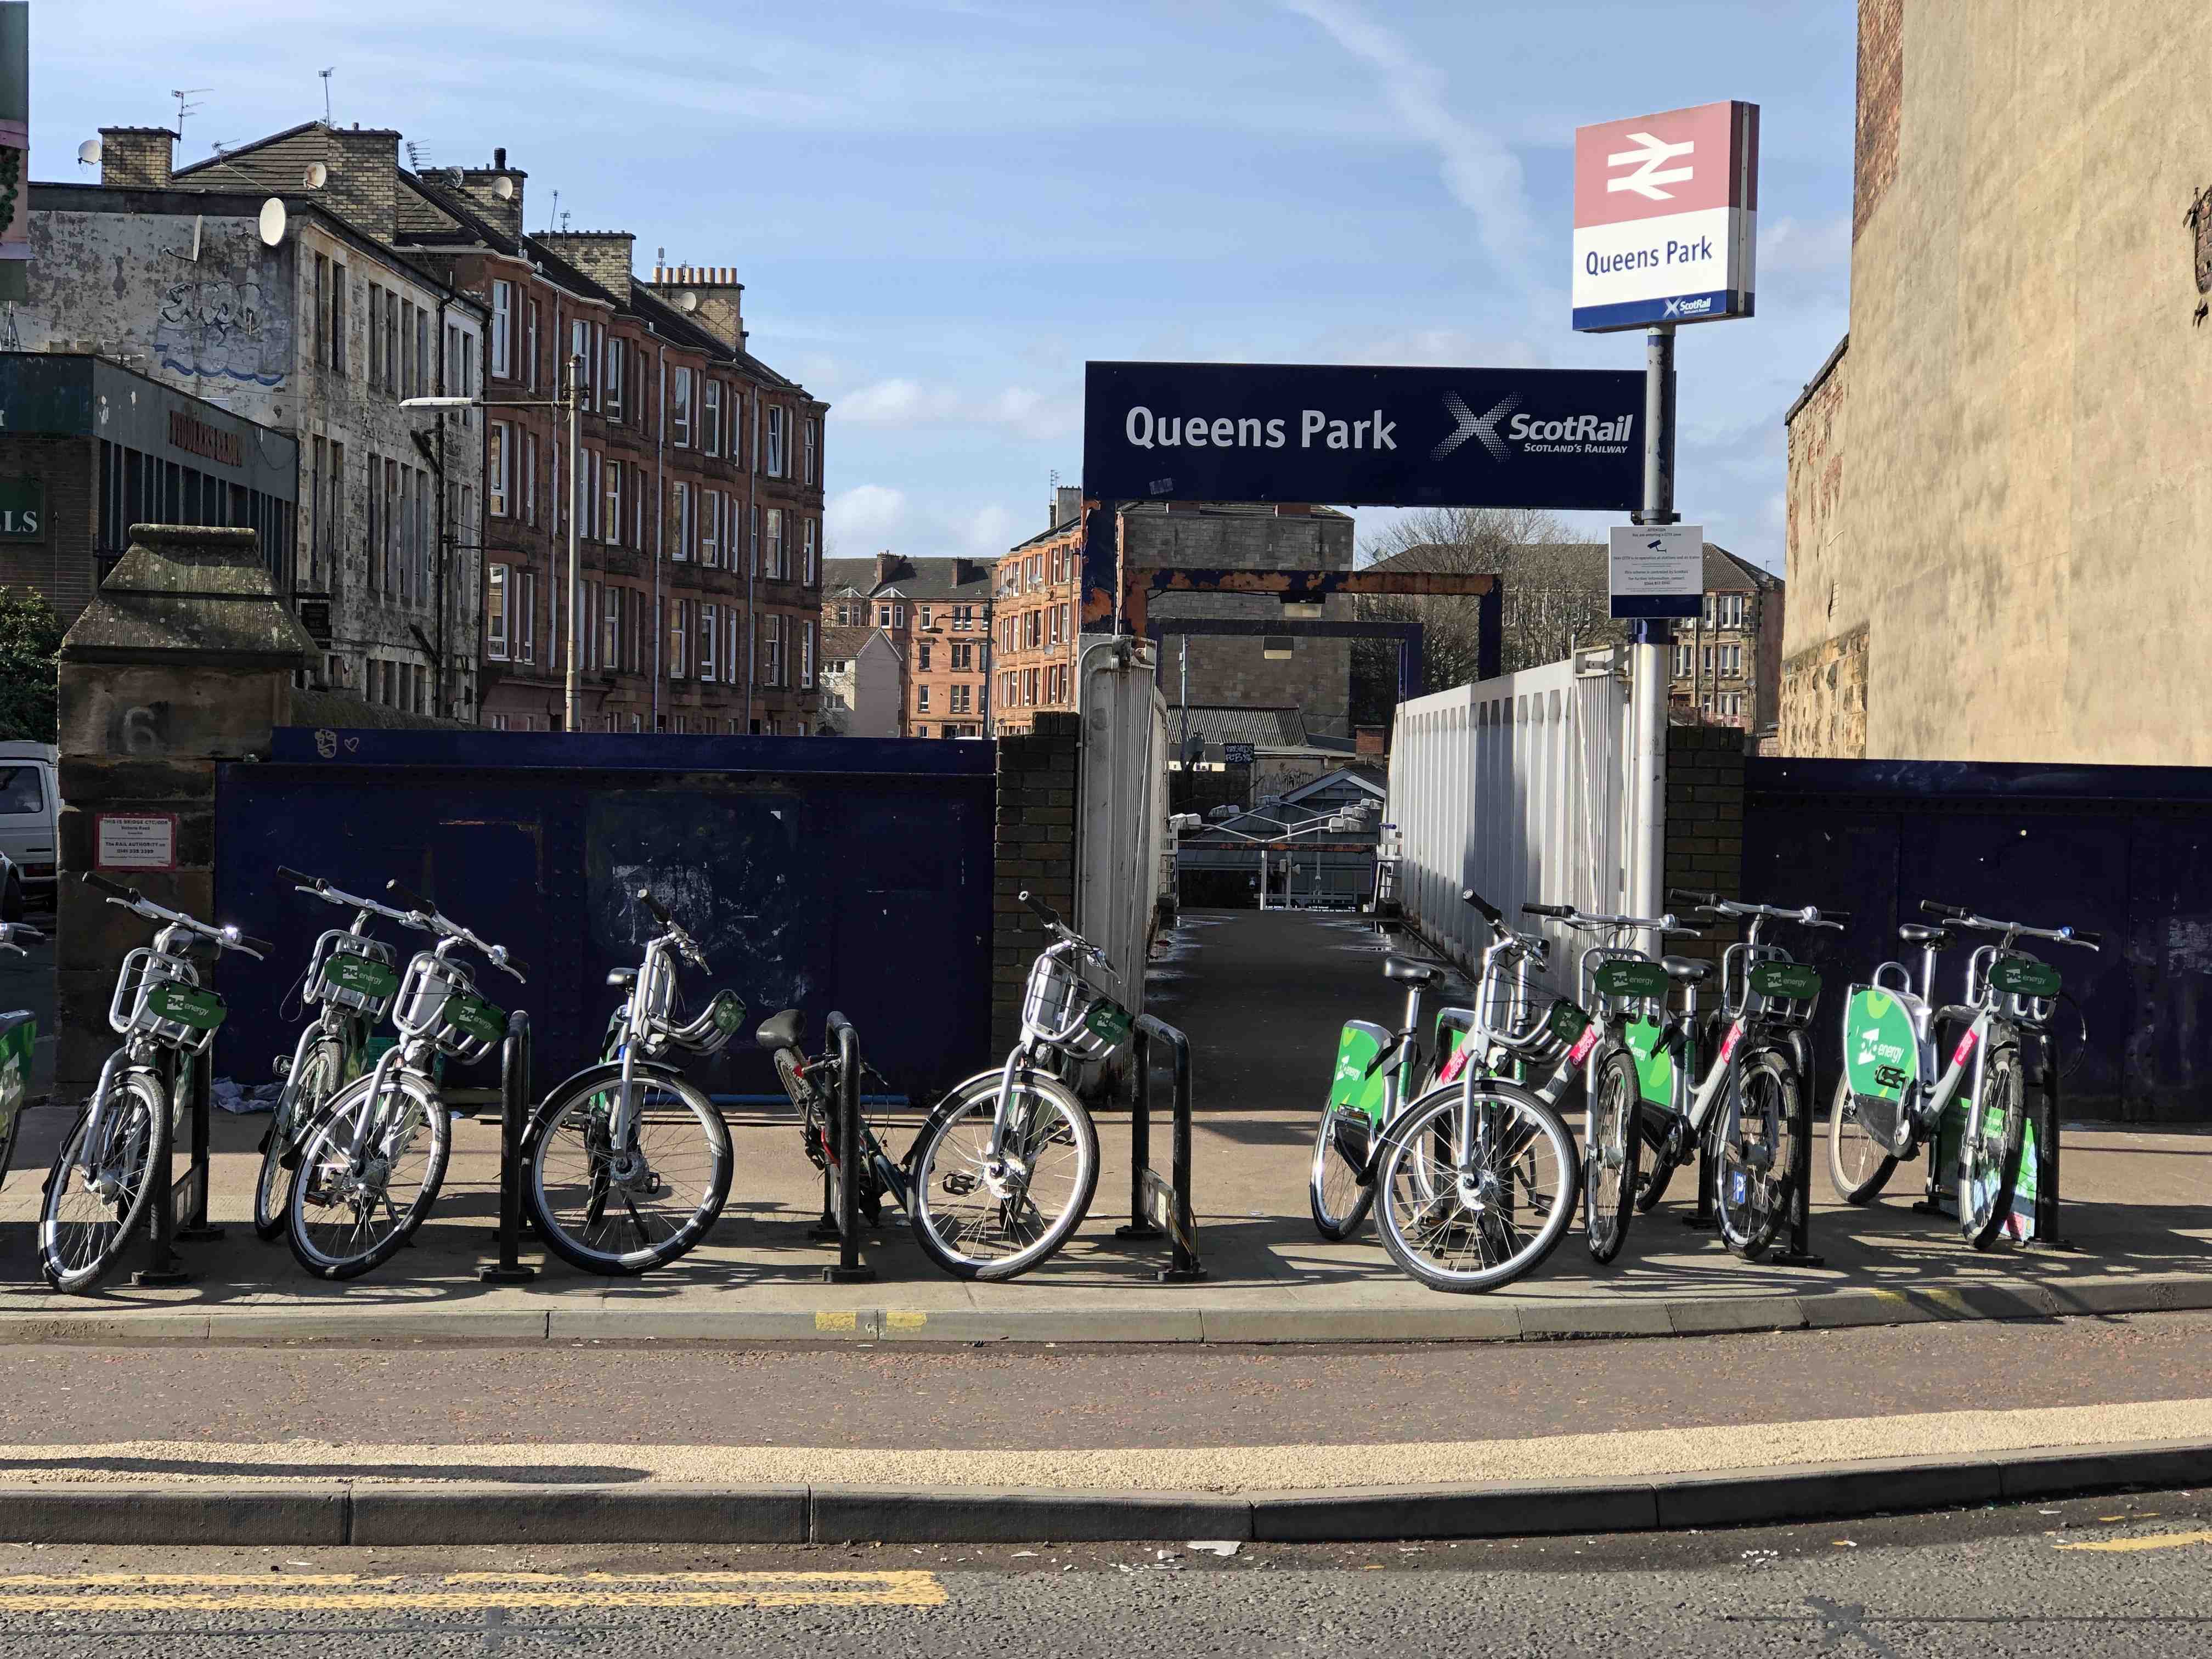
[[1658, 570], [134, 841]]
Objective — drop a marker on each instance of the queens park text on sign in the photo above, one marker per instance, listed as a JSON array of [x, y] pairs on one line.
[[1666, 217], [1568, 439]]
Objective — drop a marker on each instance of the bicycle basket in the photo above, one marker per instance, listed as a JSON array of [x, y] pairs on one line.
[[718, 1021], [1060, 1000], [2028, 985], [1788, 991], [353, 972], [157, 995], [438, 1001]]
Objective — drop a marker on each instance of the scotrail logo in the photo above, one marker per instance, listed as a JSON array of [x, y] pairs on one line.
[[1697, 308], [1649, 159], [1499, 427], [1472, 425]]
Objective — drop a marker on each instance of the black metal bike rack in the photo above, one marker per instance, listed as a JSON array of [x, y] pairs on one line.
[[1151, 1198], [2042, 1109], [514, 1107], [1800, 1252], [179, 1205], [849, 1269]]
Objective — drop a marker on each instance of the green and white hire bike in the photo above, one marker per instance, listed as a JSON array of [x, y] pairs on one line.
[[1890, 1098]]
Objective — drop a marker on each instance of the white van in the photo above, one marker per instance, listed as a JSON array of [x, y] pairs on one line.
[[30, 811]]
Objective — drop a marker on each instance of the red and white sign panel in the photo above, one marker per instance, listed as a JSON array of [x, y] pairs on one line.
[[1666, 217]]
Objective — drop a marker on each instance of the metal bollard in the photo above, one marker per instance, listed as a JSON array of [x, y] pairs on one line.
[[514, 1123], [850, 1269]]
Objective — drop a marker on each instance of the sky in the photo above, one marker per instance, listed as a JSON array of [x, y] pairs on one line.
[[943, 208]]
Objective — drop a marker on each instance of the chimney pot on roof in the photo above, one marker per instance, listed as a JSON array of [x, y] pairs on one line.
[[499, 158], [887, 566]]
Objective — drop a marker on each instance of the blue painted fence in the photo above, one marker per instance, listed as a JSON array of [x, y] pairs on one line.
[[2123, 850], [815, 872]]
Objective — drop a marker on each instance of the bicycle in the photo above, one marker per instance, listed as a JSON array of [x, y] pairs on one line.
[[629, 1130], [1727, 1087], [1890, 1098], [813, 1086], [350, 981], [1373, 1065], [117, 1151], [362, 1149], [1004, 1167], [1460, 1168]]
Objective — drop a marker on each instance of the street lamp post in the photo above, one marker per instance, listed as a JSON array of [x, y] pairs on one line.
[[570, 401]]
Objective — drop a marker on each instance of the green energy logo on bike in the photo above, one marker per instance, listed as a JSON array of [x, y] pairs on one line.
[[1108, 1021], [2024, 976], [186, 1005], [1654, 1062], [1882, 1055], [1358, 1084]]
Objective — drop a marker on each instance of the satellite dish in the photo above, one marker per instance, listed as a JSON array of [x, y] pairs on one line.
[[273, 220], [687, 302], [88, 153], [315, 177], [503, 188]]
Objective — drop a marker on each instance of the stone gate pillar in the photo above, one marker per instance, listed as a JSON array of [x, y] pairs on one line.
[[183, 659]]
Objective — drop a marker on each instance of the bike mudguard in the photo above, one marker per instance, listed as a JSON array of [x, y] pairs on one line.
[[610, 1071], [1359, 1084], [1655, 1061], [1453, 1025], [1882, 1064]]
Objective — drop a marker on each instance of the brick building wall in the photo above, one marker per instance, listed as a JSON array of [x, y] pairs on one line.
[[1036, 607], [1704, 824], [1034, 851], [937, 613], [61, 563]]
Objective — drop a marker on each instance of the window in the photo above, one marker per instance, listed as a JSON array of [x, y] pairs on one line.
[[710, 528], [775, 571], [526, 616], [679, 630], [810, 569], [921, 731], [882, 616], [733, 660], [926, 610], [772, 656], [580, 354], [611, 403], [529, 478], [337, 317], [923, 664], [898, 616], [319, 318], [392, 343], [712, 421], [710, 628], [497, 590], [964, 617], [612, 495], [589, 479], [502, 329], [806, 653], [752, 555], [963, 657], [1682, 662], [960, 694], [806, 454], [530, 343], [679, 408], [775, 442], [499, 468], [921, 700], [1724, 610], [681, 519]]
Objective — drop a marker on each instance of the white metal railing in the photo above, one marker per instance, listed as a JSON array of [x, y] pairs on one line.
[[1513, 787]]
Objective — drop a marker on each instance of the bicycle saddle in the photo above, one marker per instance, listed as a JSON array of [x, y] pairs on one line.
[[1686, 971], [785, 1030], [1913, 933], [622, 978], [1409, 972]]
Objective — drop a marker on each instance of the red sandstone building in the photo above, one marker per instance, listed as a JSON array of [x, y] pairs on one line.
[[937, 613]]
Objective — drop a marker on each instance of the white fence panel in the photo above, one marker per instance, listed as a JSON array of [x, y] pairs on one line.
[[1513, 787], [1120, 807]]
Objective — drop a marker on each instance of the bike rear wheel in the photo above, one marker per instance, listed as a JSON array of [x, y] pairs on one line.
[[1474, 1191], [1614, 1139], [349, 1213], [307, 1091], [86, 1221], [625, 1213], [1989, 1169], [979, 1219], [1858, 1167], [1757, 1150], [1336, 1188]]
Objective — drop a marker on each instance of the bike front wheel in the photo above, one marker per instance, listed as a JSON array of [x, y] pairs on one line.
[[369, 1168], [1858, 1167], [307, 1091], [96, 1193], [994, 1216], [1989, 1164], [1338, 1190], [1474, 1190], [1616, 1139], [624, 1211], [1757, 1151]]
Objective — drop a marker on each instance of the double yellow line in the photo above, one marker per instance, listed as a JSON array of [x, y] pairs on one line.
[[336, 1592]]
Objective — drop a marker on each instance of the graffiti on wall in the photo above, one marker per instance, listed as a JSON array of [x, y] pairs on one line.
[[218, 328]]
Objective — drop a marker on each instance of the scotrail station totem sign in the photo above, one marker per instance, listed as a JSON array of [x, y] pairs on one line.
[[1666, 215]]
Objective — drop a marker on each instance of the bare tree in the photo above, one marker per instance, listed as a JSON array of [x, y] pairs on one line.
[[1555, 595]]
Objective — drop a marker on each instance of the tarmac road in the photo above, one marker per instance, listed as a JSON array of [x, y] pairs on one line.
[[2091, 1578], [1102, 1397]]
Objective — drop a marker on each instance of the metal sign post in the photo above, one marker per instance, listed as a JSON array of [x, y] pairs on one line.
[[1647, 808]]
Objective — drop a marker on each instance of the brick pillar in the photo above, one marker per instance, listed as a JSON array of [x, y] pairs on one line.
[[182, 659], [1705, 822], [1035, 848]]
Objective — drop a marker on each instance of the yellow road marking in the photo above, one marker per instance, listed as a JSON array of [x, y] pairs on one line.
[[2164, 1541], [826, 1320], [905, 1320], [147, 1592], [193, 1580]]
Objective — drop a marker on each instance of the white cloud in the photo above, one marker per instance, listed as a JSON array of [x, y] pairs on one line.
[[1482, 174], [1790, 244], [866, 513], [900, 402]]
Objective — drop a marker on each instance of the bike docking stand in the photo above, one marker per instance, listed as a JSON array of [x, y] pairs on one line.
[[514, 1107], [845, 1224], [2042, 1108], [1800, 1252], [1159, 1208], [165, 1232]]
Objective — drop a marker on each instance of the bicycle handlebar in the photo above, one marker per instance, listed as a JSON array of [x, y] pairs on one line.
[[316, 887], [2082, 937], [1713, 905], [1556, 912], [682, 941], [114, 888], [1489, 912], [429, 919], [130, 899]]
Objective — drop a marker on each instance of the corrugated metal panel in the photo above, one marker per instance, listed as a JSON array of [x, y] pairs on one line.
[[1121, 806]]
